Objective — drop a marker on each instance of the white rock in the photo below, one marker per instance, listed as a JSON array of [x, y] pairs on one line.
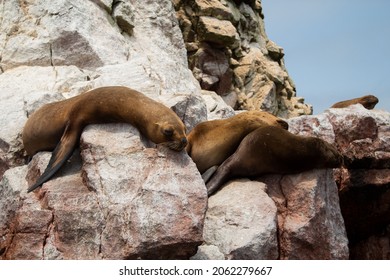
[[241, 221]]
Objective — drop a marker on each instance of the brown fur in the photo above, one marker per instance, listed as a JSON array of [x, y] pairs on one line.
[[368, 101], [59, 125], [211, 142], [272, 150]]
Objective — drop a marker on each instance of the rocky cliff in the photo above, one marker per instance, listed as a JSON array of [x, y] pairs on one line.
[[229, 53], [121, 196]]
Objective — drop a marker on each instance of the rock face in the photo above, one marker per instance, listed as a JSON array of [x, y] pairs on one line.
[[51, 51], [276, 217], [363, 138], [132, 201], [230, 53], [316, 218], [308, 216], [241, 222], [121, 196]]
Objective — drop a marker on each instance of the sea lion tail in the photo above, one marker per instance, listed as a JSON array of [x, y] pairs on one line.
[[60, 155]]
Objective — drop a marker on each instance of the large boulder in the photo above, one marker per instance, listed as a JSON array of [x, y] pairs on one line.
[[241, 222], [124, 199], [310, 224]]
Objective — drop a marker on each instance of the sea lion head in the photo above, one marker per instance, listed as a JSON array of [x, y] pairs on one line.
[[171, 134], [266, 118], [369, 101]]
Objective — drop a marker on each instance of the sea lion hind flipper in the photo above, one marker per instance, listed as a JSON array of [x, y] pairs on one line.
[[221, 175], [209, 173], [60, 155]]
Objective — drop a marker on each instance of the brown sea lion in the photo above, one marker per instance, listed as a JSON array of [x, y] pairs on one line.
[[59, 125], [368, 101], [211, 142], [272, 150]]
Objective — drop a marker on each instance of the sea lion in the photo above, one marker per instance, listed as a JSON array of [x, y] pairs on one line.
[[272, 150], [59, 125], [211, 142], [368, 101]]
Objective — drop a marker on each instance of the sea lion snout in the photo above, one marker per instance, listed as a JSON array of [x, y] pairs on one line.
[[183, 143]]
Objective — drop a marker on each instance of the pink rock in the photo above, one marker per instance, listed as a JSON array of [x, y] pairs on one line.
[[310, 225], [128, 201]]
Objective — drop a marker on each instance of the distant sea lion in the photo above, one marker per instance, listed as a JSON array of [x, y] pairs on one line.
[[211, 142], [272, 150], [59, 125], [368, 101]]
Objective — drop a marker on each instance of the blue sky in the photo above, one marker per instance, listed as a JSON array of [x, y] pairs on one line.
[[334, 50]]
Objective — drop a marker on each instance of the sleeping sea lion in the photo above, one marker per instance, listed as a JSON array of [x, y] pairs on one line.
[[59, 125], [211, 142], [368, 101], [273, 150]]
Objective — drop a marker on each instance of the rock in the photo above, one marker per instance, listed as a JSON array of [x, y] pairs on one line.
[[216, 107], [124, 16], [274, 51], [244, 62], [208, 252], [52, 51], [128, 197], [219, 32], [242, 230], [213, 72], [191, 109], [166, 201], [308, 216], [376, 247], [56, 51], [318, 126], [215, 9], [362, 136]]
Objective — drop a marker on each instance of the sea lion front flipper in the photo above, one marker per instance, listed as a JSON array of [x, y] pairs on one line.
[[60, 155]]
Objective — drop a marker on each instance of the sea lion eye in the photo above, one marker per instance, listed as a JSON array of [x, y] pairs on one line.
[[168, 131]]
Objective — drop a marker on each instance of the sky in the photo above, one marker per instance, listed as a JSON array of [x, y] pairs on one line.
[[334, 49]]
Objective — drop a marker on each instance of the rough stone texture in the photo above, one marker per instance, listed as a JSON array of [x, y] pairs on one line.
[[208, 252], [230, 53], [363, 137], [219, 32], [119, 199], [310, 225], [51, 51], [216, 107], [376, 247], [133, 200], [241, 222]]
